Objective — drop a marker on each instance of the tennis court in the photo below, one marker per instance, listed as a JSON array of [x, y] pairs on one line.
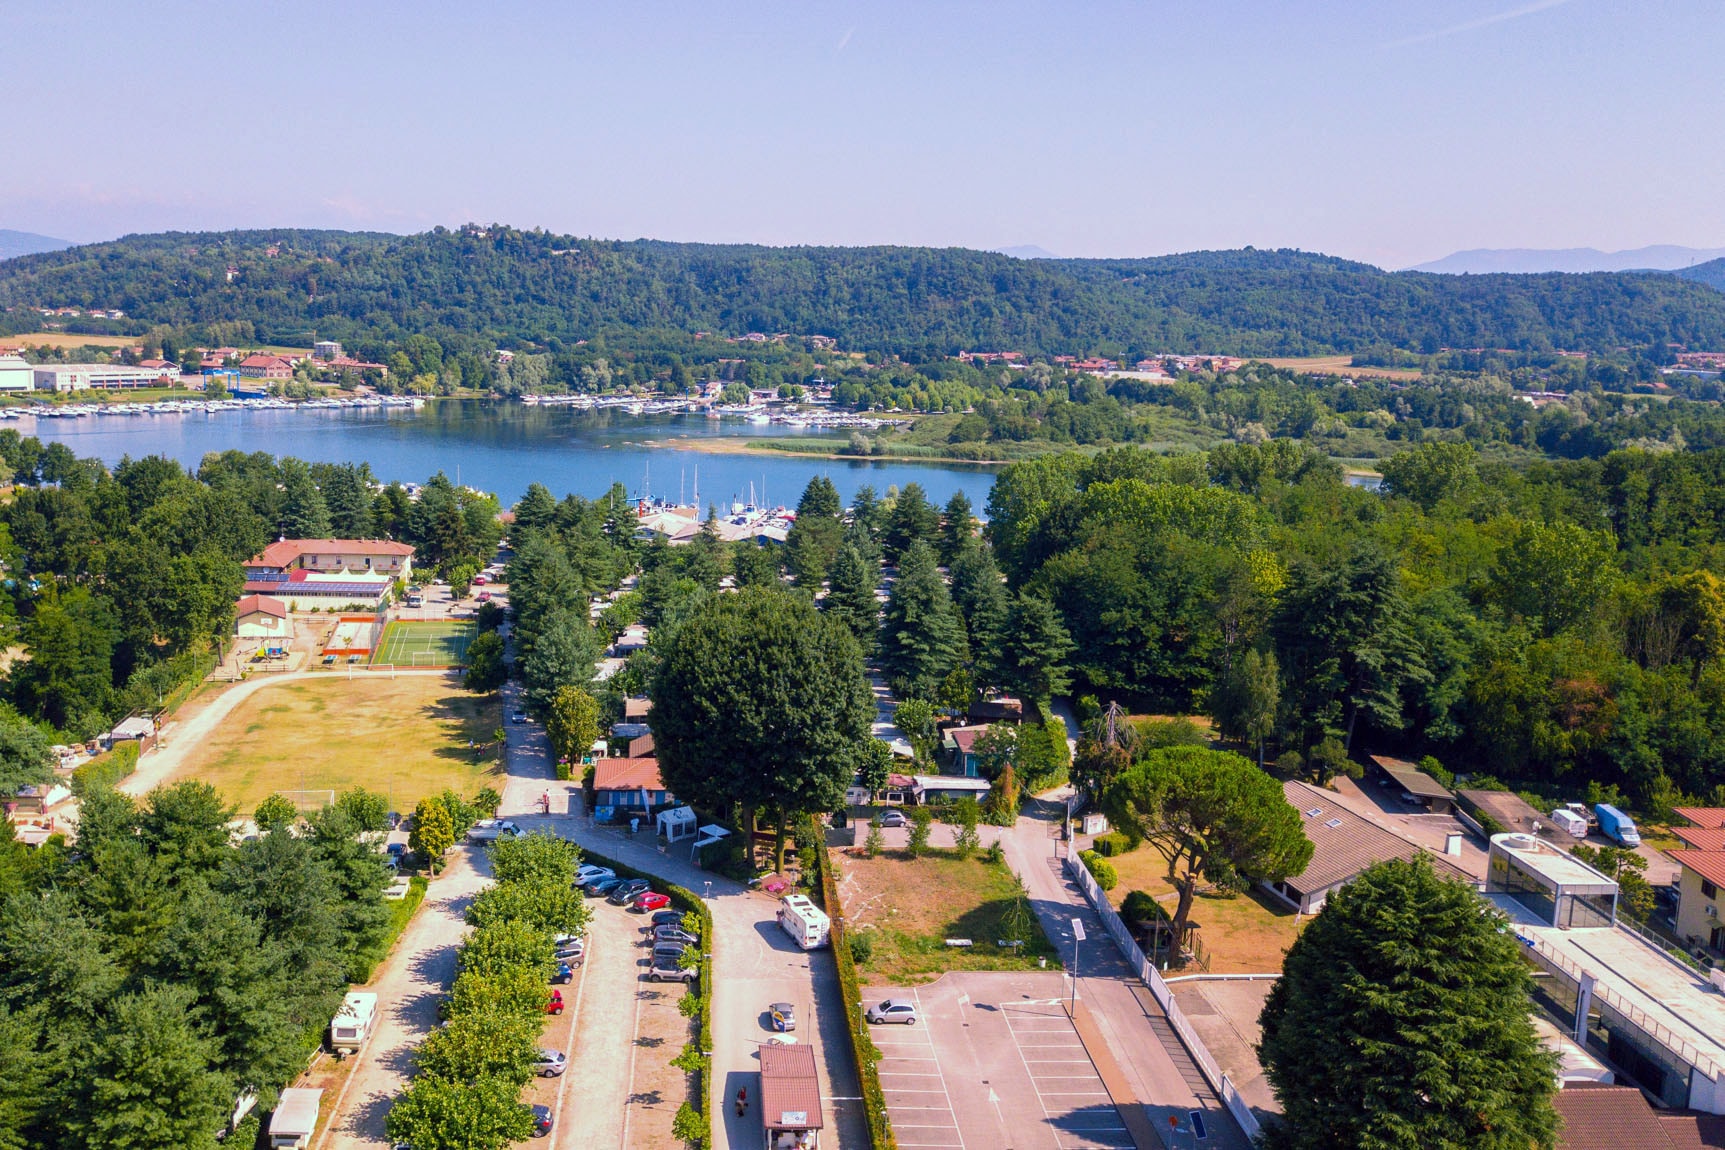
[[432, 643]]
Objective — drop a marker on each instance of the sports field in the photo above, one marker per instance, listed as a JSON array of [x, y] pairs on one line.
[[431, 643], [404, 738]]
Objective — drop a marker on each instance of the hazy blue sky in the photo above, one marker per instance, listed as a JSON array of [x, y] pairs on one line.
[[1392, 133]]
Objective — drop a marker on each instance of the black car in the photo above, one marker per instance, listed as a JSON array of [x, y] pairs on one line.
[[541, 1120], [665, 918], [599, 888], [624, 893]]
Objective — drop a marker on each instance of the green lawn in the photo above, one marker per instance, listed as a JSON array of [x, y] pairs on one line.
[[431, 643]]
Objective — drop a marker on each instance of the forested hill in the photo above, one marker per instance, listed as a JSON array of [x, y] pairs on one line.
[[501, 282]]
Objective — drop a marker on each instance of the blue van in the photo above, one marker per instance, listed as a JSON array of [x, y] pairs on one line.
[[1617, 826]]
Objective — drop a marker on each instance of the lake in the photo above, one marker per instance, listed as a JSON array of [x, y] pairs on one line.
[[502, 447]]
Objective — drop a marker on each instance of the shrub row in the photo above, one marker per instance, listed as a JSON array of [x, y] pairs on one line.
[[863, 1050], [689, 902], [1100, 869], [107, 770], [1111, 844]]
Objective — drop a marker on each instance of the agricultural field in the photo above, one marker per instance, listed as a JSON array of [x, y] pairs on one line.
[[404, 737]]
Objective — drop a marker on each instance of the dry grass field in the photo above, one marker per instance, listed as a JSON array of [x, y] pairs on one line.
[[908, 908], [405, 738], [1246, 934], [1338, 365]]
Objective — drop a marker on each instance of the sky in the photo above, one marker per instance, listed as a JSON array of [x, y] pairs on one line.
[[1391, 133]]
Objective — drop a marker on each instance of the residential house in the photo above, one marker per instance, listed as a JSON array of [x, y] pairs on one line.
[[636, 708], [1699, 907], [627, 782], [1613, 1117], [959, 743], [641, 747], [259, 366], [1343, 845]]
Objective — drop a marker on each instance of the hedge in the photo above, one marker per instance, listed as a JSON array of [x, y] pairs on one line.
[[691, 903], [400, 912], [863, 1049], [107, 770]]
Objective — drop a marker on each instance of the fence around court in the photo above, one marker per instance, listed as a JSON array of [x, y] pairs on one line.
[[1152, 978]]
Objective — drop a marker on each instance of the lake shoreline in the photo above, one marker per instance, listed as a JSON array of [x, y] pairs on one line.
[[739, 446]]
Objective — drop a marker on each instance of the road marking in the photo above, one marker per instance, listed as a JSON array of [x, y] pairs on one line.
[[569, 1044], [1065, 1123]]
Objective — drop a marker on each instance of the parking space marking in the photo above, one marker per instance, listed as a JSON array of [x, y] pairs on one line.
[[1063, 1101], [915, 1103]]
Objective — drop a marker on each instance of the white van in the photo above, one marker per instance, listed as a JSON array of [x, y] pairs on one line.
[[1570, 821], [352, 1023], [805, 922]]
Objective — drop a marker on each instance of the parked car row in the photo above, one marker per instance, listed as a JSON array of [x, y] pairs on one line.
[[635, 893]]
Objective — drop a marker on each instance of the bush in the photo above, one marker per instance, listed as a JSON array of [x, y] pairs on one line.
[[1111, 844], [107, 770], [1100, 869], [862, 948], [1139, 906]]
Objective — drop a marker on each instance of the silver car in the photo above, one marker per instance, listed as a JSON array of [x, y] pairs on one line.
[[550, 1064], [893, 1010]]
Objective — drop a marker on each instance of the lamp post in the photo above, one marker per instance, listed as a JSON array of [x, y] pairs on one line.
[[1077, 939]]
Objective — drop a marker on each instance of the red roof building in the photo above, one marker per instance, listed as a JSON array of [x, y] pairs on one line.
[[370, 556], [266, 367]]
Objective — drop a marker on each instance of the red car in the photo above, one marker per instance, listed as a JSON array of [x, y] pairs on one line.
[[555, 1006], [650, 901], [481, 580]]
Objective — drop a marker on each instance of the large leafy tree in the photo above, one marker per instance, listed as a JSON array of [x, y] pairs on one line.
[[439, 1114], [1401, 1019], [1244, 704], [921, 637], [759, 700], [814, 538], [1346, 644], [1212, 815], [151, 1084], [1033, 647], [571, 724], [562, 656], [24, 756]]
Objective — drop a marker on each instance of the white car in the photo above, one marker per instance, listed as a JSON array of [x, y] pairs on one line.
[[550, 1063], [591, 872]]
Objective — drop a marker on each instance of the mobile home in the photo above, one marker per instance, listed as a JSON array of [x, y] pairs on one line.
[[351, 1025], [295, 1119], [804, 921]]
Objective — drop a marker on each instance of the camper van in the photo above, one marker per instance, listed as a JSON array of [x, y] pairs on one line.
[[804, 921], [352, 1023], [1567, 820], [295, 1119]]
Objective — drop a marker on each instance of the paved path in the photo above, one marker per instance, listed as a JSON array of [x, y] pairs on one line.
[[1161, 1074]]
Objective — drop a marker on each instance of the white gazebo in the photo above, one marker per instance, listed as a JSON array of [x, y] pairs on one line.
[[676, 824]]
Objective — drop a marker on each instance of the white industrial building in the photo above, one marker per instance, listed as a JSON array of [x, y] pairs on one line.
[[15, 374], [100, 376]]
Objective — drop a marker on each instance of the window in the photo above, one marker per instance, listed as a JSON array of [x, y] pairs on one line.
[[1708, 890]]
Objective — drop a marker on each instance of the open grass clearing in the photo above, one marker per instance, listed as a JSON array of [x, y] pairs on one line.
[[1248, 933], [405, 738], [431, 643], [907, 908], [1341, 365]]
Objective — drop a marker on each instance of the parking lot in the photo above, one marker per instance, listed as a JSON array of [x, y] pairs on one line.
[[992, 1063]]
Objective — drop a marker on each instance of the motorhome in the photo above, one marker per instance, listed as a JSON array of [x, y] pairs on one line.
[[351, 1025], [1567, 820], [805, 922], [295, 1119]]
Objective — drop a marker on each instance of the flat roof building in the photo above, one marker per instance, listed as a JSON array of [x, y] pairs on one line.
[[1400, 773], [16, 374], [64, 377], [1555, 886]]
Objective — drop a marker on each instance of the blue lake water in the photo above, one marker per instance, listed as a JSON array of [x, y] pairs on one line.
[[505, 446]]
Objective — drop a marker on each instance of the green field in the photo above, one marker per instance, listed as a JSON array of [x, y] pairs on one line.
[[434, 643]]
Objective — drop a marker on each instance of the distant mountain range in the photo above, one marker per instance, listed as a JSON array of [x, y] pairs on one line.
[[1522, 261], [27, 244], [477, 286]]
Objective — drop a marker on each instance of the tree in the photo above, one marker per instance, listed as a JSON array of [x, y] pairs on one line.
[[475, 1047], [1628, 869], [1244, 705], [551, 908], [540, 857], [438, 1114], [571, 725], [966, 814], [912, 521], [921, 823], [875, 766], [151, 1082], [503, 946], [1002, 807], [916, 719], [275, 813], [1212, 815], [921, 637], [486, 671], [1555, 577], [814, 538], [304, 515], [562, 656], [1034, 647], [1347, 645], [25, 757], [1431, 473], [851, 595], [957, 528], [761, 701], [1401, 1019], [461, 577], [368, 809], [433, 831]]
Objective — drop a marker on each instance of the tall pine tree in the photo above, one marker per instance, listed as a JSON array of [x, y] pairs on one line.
[[922, 637]]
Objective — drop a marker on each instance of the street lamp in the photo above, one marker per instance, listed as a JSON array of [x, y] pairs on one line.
[[1077, 938]]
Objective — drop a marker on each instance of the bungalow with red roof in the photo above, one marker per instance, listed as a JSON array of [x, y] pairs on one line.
[[263, 618], [629, 783]]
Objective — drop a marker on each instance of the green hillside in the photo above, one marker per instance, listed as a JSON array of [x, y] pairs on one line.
[[500, 282]]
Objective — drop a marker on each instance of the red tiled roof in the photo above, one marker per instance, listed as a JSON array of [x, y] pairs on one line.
[[1703, 816], [262, 361], [1608, 1118], [285, 551], [1710, 865], [964, 738], [627, 775], [1702, 838], [790, 1091], [252, 604]]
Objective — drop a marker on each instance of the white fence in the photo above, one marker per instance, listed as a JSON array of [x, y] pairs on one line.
[[1151, 977]]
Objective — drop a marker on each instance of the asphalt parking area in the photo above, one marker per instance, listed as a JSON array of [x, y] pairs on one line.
[[993, 1062]]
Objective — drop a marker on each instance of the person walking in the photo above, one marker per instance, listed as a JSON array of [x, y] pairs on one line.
[[742, 1101]]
